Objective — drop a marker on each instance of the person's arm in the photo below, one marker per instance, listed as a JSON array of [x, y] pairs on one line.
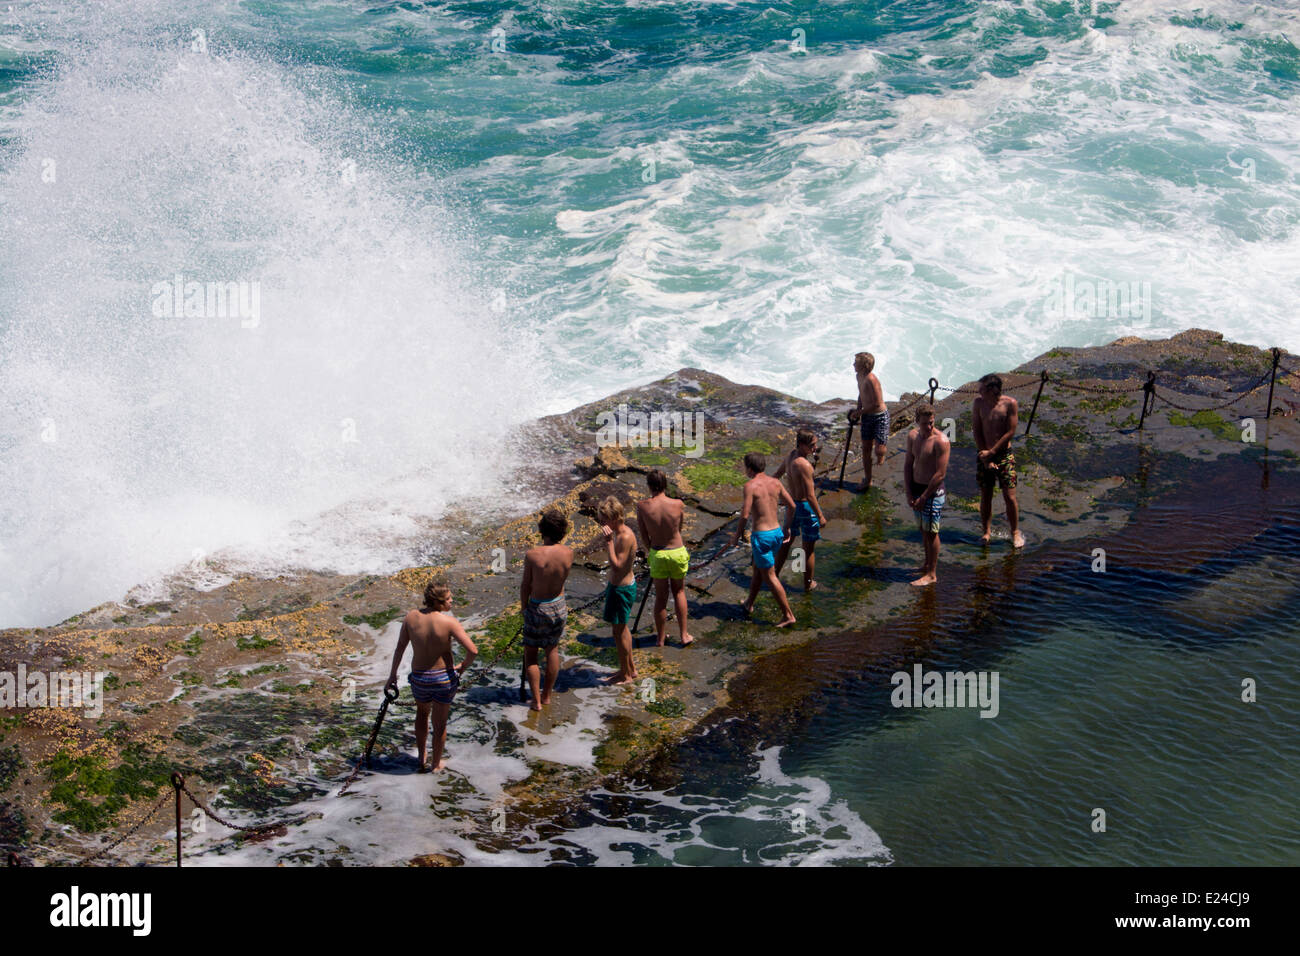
[[403, 639], [471, 651], [744, 514], [907, 474], [977, 426], [856, 413], [789, 514], [611, 545], [812, 492], [526, 585], [940, 471], [1013, 423], [640, 523]]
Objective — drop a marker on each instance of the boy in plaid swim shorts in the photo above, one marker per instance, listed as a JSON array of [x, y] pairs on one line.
[[924, 469]]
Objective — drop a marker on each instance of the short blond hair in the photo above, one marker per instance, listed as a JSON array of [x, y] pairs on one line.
[[610, 510], [864, 362]]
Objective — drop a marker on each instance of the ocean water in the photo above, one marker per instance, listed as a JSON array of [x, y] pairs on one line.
[[459, 216]]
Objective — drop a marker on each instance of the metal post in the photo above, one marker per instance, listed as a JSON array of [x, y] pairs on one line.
[[178, 782], [934, 385], [1148, 398], [1277, 355], [848, 440], [1037, 395]]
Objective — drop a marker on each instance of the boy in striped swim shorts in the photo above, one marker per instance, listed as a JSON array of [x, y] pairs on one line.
[[871, 412], [924, 470], [434, 678]]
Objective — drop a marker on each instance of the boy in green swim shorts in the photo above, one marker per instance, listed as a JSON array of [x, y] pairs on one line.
[[660, 519], [620, 592]]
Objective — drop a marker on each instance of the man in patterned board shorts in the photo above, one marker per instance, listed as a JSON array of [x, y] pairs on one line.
[[924, 470], [995, 418]]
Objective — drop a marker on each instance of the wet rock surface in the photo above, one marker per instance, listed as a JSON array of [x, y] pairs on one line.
[[263, 691]]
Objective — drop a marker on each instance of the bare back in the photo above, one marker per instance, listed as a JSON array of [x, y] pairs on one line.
[[430, 634], [763, 497], [660, 518], [546, 568]]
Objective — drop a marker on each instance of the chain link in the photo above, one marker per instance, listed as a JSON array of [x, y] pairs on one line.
[[87, 860], [261, 828]]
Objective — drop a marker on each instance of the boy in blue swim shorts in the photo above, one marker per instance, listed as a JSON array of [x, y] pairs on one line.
[[924, 470], [764, 496], [807, 518]]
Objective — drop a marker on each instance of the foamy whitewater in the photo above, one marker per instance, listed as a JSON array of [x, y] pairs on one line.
[[460, 216]]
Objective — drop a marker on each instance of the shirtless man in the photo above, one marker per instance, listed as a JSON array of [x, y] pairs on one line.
[[807, 516], [620, 592], [996, 418], [660, 520], [430, 631], [541, 595], [763, 496], [872, 412], [924, 469]]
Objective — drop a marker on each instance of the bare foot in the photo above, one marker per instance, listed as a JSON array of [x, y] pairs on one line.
[[924, 580], [811, 586], [442, 765], [1018, 541], [687, 641], [618, 679], [984, 538], [660, 642], [425, 768], [546, 699], [535, 706], [786, 621], [747, 608]]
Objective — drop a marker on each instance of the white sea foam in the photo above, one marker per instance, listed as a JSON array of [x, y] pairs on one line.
[[328, 434]]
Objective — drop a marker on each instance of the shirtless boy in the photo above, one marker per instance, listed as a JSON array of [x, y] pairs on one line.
[[620, 592], [924, 469], [434, 680], [541, 595], [807, 518], [763, 497], [996, 418], [660, 520], [872, 412]]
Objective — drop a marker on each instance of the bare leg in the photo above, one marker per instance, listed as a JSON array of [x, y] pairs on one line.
[[778, 592], [679, 602], [552, 671], [986, 512], [783, 554], [661, 610], [534, 677], [929, 571], [422, 732], [866, 471], [626, 666], [440, 712], [1013, 516], [755, 582], [810, 562]]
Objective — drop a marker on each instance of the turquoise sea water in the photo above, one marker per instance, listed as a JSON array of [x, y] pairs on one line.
[[463, 215]]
